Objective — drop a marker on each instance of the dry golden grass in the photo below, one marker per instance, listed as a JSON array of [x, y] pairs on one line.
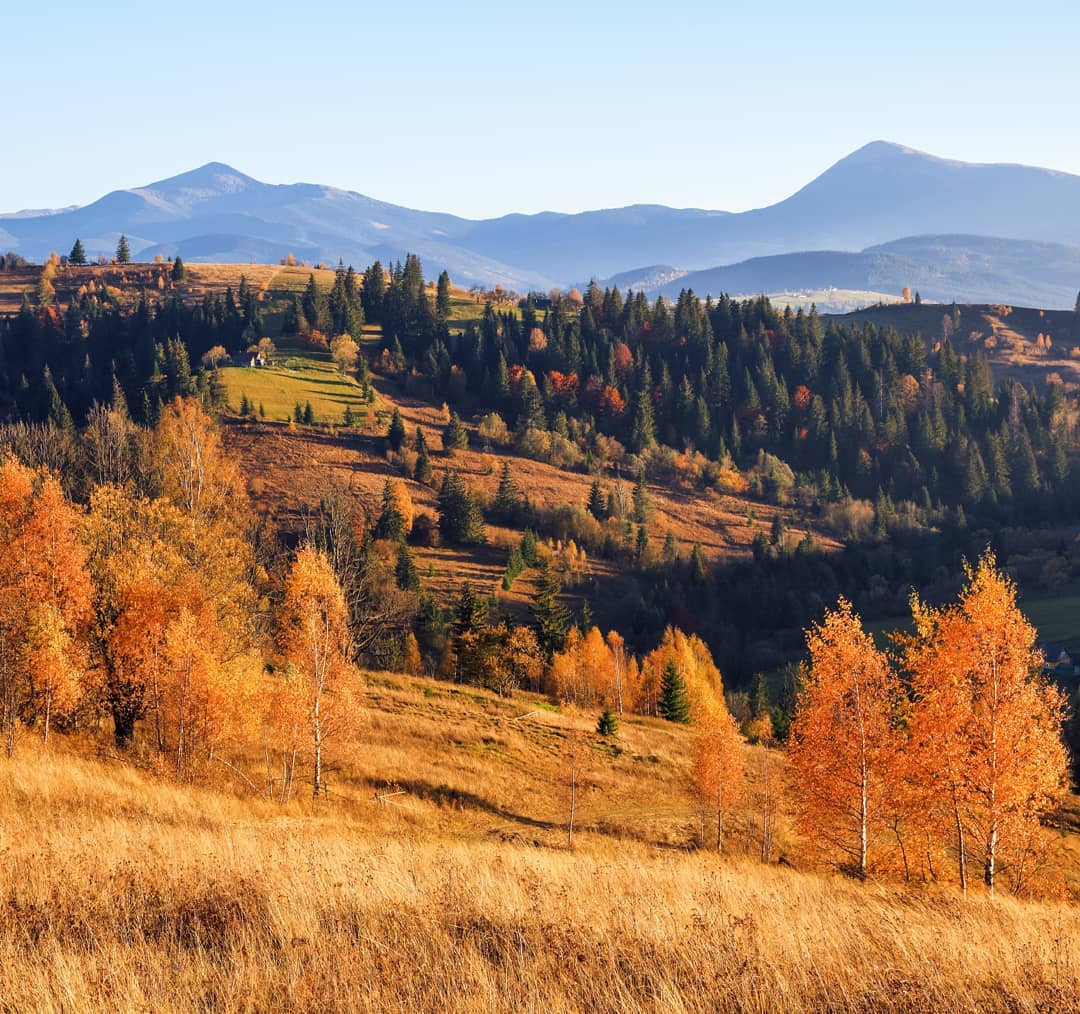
[[288, 471], [126, 892]]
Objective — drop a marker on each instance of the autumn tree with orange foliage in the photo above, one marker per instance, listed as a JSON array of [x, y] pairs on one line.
[[985, 724], [45, 597], [176, 625], [314, 639], [719, 769], [693, 660], [846, 740]]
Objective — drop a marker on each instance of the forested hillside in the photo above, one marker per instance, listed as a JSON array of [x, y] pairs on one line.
[[571, 572]]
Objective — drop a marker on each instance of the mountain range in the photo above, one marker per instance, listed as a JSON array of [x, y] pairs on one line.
[[882, 218]]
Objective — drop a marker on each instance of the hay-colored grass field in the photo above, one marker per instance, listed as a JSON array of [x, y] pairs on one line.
[[456, 891]]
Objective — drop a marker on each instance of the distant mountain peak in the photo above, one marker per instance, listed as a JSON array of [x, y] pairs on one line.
[[216, 177]]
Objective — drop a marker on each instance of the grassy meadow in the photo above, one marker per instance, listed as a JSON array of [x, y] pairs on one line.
[[297, 375], [437, 876]]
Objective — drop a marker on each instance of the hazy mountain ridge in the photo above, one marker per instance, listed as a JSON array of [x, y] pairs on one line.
[[848, 218], [972, 269]]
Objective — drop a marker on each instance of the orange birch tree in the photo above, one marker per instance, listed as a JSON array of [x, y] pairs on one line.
[[986, 721], [845, 739]]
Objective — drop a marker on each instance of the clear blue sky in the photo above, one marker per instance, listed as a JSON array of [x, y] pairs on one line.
[[561, 106]]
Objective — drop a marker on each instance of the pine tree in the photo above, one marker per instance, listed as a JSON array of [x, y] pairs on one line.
[[123, 251], [551, 619], [608, 725], [395, 435], [78, 254], [507, 498], [179, 270], [391, 523], [454, 436], [643, 505], [528, 547], [348, 419], [309, 414], [422, 471], [674, 702], [596, 505], [405, 570], [442, 298]]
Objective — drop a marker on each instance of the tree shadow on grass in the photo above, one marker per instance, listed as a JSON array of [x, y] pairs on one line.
[[460, 799]]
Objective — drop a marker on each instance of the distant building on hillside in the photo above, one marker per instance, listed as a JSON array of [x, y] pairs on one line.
[[1057, 662]]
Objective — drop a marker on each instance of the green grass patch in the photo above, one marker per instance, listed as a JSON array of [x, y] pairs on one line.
[[298, 375]]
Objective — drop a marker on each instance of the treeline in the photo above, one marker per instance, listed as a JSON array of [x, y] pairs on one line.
[[844, 411], [56, 362]]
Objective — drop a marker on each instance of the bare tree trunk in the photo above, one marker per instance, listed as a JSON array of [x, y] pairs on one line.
[[863, 819], [573, 804], [991, 857], [720, 815], [961, 849], [317, 785]]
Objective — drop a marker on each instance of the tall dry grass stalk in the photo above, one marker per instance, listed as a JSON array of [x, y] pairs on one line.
[[123, 892]]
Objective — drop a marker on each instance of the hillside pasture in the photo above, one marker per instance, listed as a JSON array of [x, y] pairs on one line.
[[436, 875], [297, 375]]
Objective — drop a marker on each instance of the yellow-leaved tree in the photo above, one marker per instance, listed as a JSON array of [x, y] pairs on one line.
[[314, 638], [846, 741], [985, 724]]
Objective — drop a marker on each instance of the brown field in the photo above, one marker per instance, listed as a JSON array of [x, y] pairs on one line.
[[1007, 334], [456, 891], [290, 470], [271, 280]]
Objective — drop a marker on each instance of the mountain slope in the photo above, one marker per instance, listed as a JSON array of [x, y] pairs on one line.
[[873, 196]]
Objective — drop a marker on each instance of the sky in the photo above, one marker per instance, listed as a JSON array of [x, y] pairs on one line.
[[501, 108]]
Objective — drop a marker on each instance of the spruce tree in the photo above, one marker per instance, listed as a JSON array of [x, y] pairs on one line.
[[596, 505], [550, 618], [442, 298], [123, 251], [395, 435], [460, 517], [641, 546], [405, 570], [78, 254], [309, 414], [674, 702], [454, 436], [179, 270], [528, 547], [643, 506], [348, 419], [507, 498], [608, 725], [422, 471], [643, 436], [391, 523]]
